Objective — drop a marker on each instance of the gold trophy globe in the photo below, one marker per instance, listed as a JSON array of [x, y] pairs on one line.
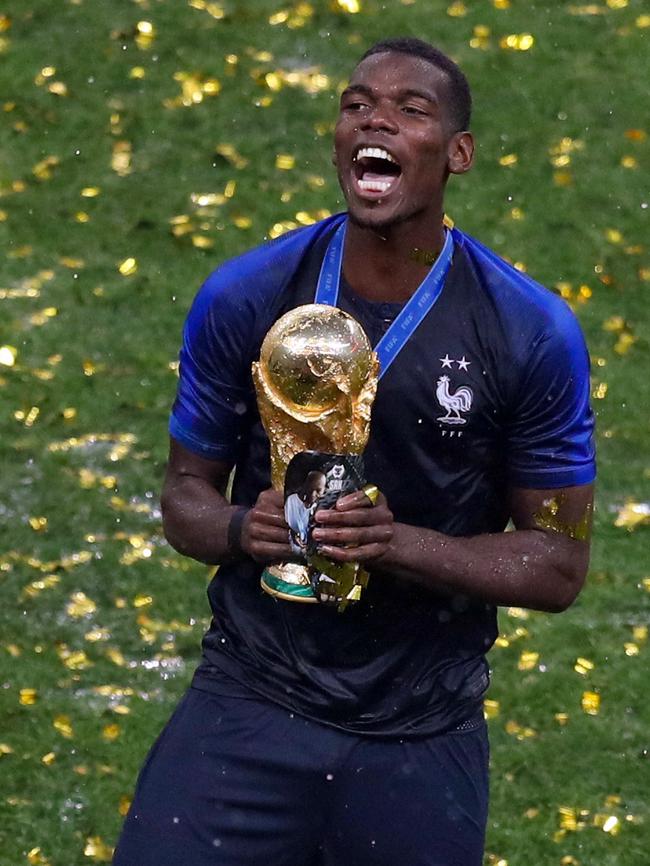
[[315, 381]]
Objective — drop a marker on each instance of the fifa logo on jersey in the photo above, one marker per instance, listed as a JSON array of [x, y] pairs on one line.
[[453, 402]]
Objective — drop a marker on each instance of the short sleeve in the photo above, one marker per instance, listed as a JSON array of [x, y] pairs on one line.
[[215, 390], [550, 435]]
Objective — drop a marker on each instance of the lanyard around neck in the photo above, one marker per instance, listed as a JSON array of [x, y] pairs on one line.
[[414, 311]]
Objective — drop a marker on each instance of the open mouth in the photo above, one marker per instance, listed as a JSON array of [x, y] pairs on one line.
[[375, 170]]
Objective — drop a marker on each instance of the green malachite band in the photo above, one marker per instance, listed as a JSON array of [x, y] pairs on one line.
[[281, 588]]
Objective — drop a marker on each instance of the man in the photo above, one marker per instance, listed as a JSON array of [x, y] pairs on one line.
[[343, 739], [299, 508]]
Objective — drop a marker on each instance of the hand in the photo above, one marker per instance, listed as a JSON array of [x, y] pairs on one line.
[[265, 534], [354, 530]]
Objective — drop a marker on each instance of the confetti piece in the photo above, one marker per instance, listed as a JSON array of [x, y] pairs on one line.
[[491, 708], [590, 703], [28, 697], [285, 161], [517, 42], [457, 9], [508, 160], [98, 850], [350, 7], [80, 605], [128, 266], [121, 158], [63, 725], [527, 661], [632, 515], [8, 355], [111, 732], [583, 666]]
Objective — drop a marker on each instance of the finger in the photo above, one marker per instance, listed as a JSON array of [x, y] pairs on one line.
[[262, 532], [357, 517], [270, 518], [365, 553], [358, 499], [273, 498], [265, 551], [353, 536]]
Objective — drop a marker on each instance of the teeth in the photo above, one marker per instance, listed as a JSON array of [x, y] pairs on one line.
[[375, 185], [375, 153]]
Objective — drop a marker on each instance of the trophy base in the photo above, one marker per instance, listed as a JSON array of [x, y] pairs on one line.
[[289, 582]]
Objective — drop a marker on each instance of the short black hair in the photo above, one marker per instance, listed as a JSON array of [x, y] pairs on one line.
[[460, 97]]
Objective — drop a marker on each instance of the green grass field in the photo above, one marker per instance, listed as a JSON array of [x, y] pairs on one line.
[[144, 141]]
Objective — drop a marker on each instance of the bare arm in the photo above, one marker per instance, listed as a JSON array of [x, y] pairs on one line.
[[541, 565], [196, 514]]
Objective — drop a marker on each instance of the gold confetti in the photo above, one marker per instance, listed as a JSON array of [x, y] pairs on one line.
[[643, 21], [124, 805], [5, 749], [583, 666], [43, 170], [121, 158], [128, 266], [509, 159], [90, 191], [28, 697], [115, 655], [517, 41], [632, 515], [481, 37], [63, 725], [285, 161], [111, 732], [38, 524], [351, 7], [590, 703], [457, 9], [80, 605], [8, 355], [629, 161], [561, 718], [35, 857], [491, 708], [98, 850], [527, 661], [145, 34], [74, 660]]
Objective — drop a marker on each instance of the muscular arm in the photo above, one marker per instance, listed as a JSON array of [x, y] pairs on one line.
[[196, 514], [541, 565]]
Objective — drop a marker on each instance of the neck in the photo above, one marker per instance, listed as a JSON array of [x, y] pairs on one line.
[[387, 264]]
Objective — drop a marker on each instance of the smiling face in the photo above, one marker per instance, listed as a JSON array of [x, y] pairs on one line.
[[394, 143]]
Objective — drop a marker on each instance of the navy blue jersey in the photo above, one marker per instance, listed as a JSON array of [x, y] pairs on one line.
[[491, 391]]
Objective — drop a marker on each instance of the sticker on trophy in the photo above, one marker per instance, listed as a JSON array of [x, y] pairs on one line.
[[315, 481]]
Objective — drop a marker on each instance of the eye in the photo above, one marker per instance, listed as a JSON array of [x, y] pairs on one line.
[[355, 105], [414, 110]]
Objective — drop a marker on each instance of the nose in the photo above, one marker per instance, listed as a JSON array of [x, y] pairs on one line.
[[381, 118]]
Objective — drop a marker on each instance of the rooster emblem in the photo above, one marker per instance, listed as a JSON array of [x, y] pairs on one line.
[[454, 404]]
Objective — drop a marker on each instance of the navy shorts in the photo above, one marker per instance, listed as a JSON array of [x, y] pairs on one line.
[[239, 781]]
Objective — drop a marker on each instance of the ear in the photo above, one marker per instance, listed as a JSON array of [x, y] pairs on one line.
[[460, 153]]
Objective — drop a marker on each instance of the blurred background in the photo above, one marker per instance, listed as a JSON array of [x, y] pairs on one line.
[[143, 142]]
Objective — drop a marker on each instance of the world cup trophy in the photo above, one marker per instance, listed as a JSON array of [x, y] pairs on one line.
[[315, 382]]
